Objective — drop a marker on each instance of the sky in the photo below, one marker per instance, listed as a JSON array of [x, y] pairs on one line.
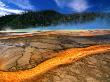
[[63, 6]]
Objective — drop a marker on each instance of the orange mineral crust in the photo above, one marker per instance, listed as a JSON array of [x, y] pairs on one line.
[[63, 57]]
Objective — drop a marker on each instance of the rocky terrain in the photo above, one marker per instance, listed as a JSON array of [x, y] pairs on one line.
[[21, 52]]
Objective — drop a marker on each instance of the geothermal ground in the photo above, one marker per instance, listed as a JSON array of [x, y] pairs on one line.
[[24, 51]]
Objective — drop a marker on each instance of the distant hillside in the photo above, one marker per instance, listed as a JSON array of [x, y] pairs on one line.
[[47, 18]]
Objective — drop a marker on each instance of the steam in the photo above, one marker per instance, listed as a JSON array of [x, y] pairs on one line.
[[8, 29]]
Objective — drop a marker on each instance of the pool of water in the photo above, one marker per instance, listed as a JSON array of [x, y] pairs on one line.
[[96, 24]]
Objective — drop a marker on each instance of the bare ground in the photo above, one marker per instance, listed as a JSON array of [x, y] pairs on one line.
[[27, 52]]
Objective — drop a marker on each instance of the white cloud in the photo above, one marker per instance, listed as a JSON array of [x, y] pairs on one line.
[[3, 13], [4, 10], [2, 4], [74, 5], [79, 5], [10, 10], [24, 4]]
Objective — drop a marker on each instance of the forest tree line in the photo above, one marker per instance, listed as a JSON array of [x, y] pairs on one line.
[[47, 18]]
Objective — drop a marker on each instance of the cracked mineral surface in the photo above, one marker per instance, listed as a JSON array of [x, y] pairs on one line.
[[21, 53]]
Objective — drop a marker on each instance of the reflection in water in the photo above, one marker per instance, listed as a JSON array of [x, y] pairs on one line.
[[97, 24]]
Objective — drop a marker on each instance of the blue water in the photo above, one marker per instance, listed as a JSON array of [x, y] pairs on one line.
[[96, 24]]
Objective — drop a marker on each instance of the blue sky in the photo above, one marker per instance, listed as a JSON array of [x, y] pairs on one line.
[[63, 6]]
